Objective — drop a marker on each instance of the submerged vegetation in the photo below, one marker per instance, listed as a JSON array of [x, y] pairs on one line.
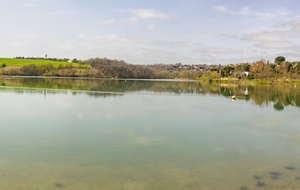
[[262, 72]]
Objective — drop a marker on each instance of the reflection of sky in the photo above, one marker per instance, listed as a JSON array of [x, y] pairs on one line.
[[148, 136], [152, 125]]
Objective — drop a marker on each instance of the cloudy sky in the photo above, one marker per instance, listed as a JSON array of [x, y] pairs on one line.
[[152, 31]]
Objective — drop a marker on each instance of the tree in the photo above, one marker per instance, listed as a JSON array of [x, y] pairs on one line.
[[279, 59], [184, 74], [31, 70], [227, 71], [261, 70]]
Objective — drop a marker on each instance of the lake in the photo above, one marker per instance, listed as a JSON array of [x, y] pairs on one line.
[[145, 135]]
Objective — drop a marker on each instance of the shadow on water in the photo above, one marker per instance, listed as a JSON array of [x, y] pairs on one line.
[[278, 97]]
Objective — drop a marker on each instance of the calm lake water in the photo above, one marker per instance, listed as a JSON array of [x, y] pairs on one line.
[[146, 135]]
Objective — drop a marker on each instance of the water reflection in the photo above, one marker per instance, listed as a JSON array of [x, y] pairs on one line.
[[278, 97], [154, 135]]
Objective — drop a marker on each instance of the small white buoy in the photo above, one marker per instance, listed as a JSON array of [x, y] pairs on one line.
[[233, 97]]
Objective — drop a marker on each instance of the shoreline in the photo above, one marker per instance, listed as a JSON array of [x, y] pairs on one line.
[[95, 78], [222, 81], [268, 82]]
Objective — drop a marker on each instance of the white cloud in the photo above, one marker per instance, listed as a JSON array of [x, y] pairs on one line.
[[283, 36], [33, 3], [27, 36], [149, 14], [289, 29], [230, 36], [247, 11], [133, 20], [219, 50], [112, 21], [60, 13], [82, 36], [18, 44], [141, 50], [270, 15], [114, 38], [292, 54], [108, 21], [276, 45], [268, 40], [66, 46], [243, 11], [151, 27], [264, 37], [136, 15]]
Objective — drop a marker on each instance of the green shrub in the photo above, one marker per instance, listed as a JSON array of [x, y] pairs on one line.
[[279, 59]]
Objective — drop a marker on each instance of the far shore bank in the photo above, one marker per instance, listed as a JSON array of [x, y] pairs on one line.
[[271, 82], [257, 73], [96, 78], [222, 81]]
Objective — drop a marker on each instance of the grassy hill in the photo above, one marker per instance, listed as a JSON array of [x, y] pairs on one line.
[[36, 67], [23, 62]]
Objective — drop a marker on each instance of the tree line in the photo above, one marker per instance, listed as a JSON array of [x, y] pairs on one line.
[[49, 58], [109, 68], [118, 69], [264, 69]]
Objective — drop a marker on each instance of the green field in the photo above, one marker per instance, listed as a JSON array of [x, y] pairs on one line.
[[24, 62]]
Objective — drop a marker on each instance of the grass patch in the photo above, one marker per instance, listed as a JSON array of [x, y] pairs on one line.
[[23, 62]]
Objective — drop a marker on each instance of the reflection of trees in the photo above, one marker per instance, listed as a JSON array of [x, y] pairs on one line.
[[103, 85], [279, 97], [46, 92], [19, 90]]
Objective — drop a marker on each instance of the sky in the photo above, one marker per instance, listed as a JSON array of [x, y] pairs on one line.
[[152, 31]]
